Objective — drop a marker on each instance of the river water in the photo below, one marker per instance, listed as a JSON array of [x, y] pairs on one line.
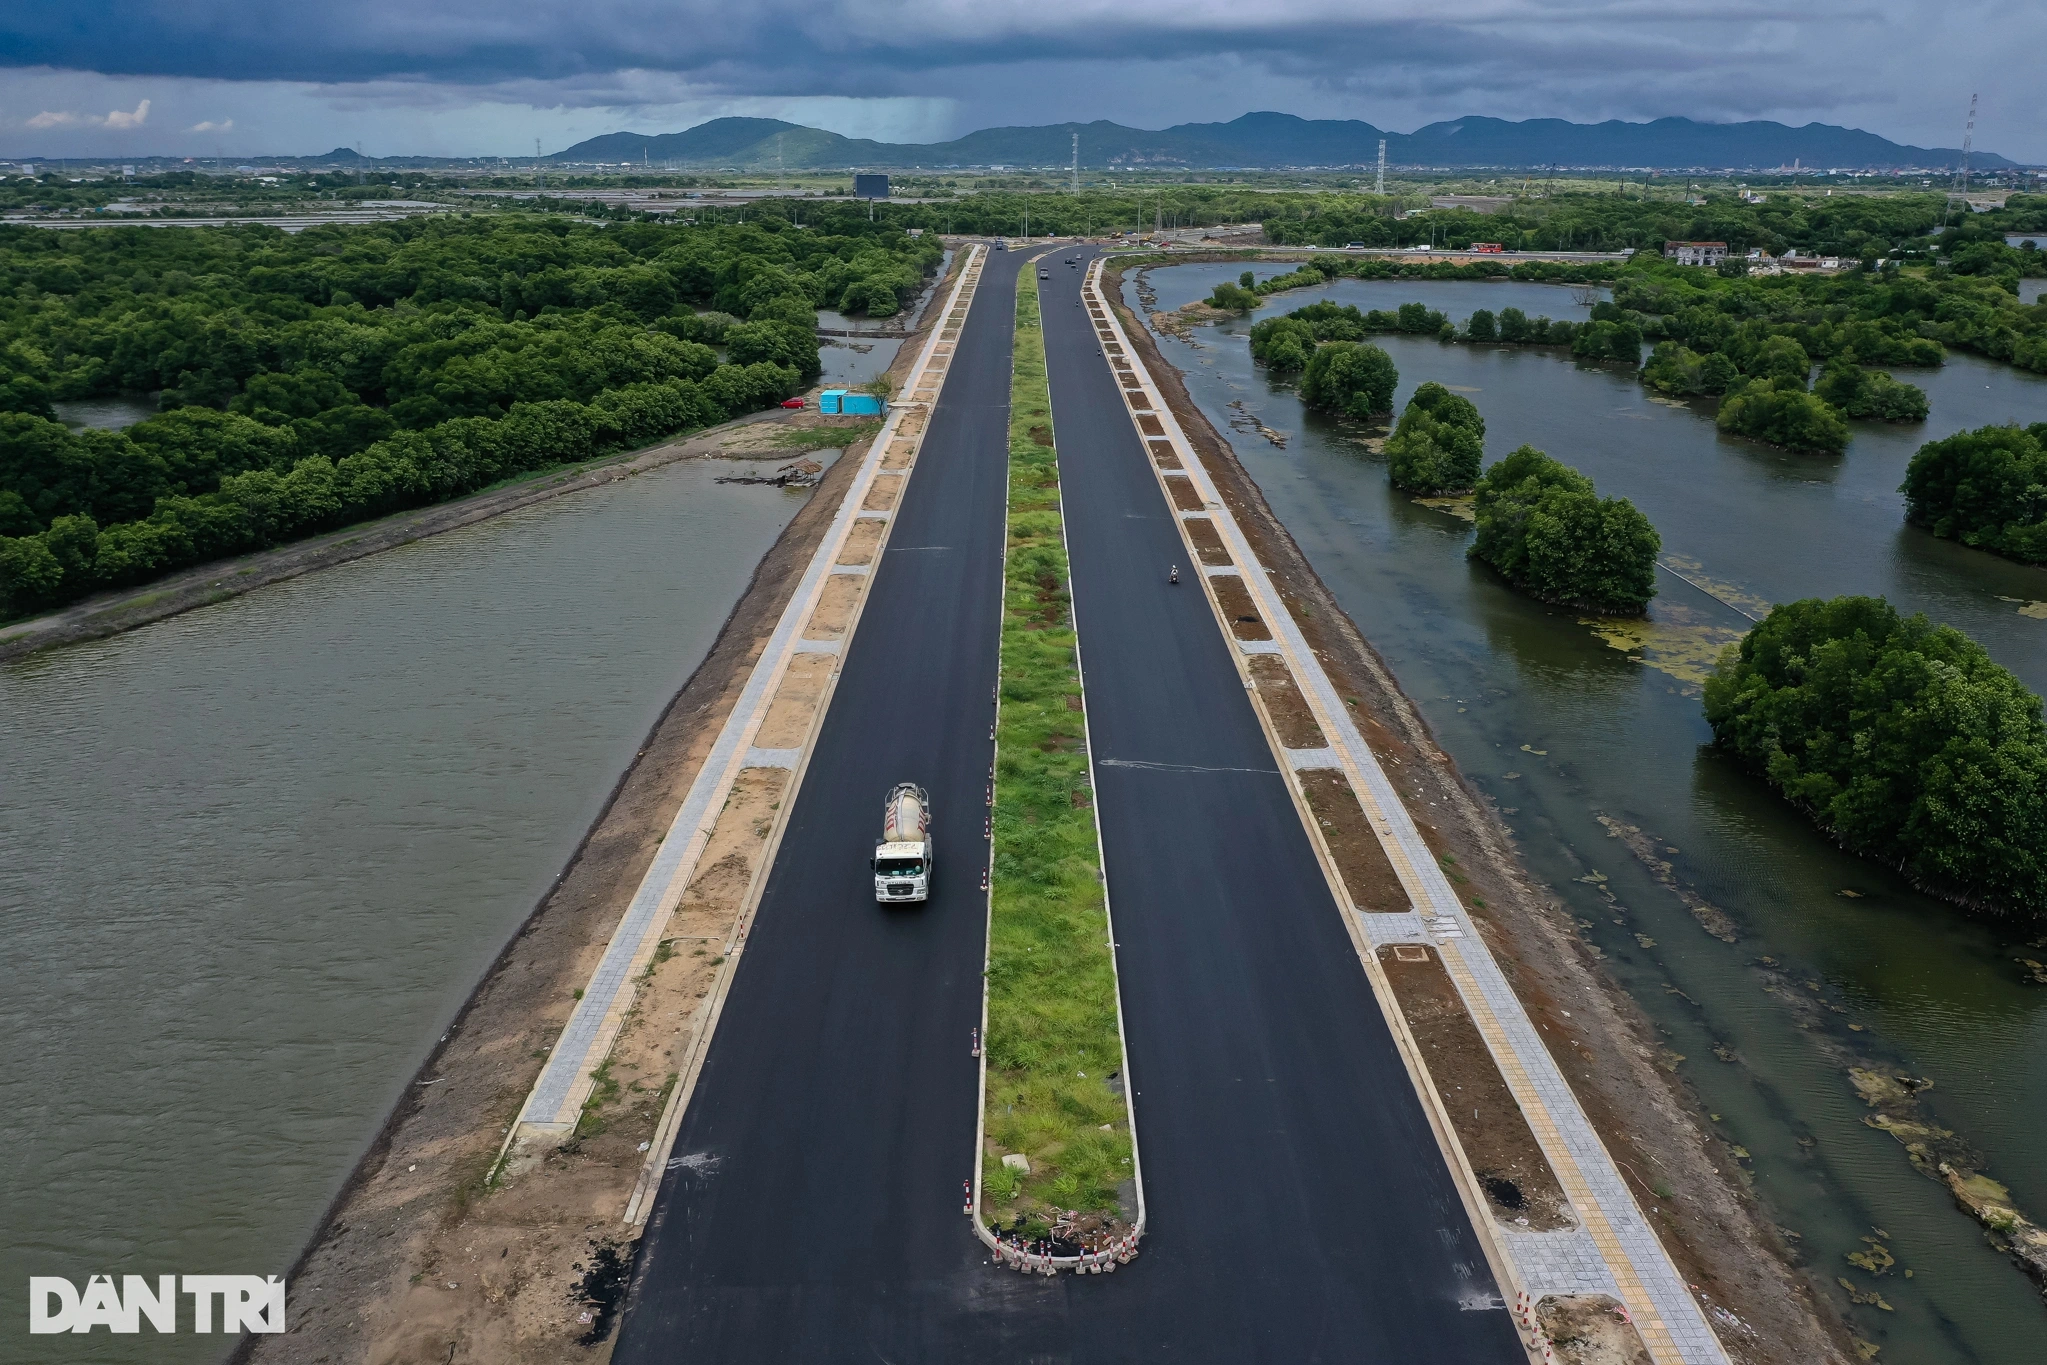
[[253, 858], [1563, 727]]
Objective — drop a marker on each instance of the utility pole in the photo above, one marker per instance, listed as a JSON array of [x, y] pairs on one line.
[[1379, 187], [1960, 188], [1076, 163]]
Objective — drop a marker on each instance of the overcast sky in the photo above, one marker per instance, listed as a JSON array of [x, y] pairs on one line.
[[488, 77]]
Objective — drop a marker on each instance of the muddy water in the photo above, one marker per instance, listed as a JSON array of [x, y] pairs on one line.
[[252, 859], [1562, 728], [105, 414]]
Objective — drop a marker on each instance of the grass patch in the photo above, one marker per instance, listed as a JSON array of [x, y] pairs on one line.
[[604, 1089], [1053, 1044], [824, 438]]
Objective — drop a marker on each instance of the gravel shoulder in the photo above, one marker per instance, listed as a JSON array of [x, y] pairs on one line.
[[1721, 1238]]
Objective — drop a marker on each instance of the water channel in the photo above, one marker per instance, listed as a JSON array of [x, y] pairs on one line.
[[1563, 728], [252, 859]]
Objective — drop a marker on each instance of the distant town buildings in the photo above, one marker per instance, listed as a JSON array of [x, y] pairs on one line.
[[1696, 253]]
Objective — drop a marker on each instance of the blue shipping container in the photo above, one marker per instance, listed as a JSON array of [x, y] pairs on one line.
[[839, 402]]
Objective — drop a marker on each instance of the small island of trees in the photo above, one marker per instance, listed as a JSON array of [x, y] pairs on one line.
[[1549, 533], [1349, 379], [1986, 488], [1439, 444], [1902, 739]]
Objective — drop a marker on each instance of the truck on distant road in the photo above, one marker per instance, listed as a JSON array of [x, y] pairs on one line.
[[903, 855]]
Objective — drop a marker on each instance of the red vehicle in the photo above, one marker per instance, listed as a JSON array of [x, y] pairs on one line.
[[1489, 247], [792, 402]]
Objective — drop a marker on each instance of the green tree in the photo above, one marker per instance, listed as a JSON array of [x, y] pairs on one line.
[[1438, 445], [1782, 360], [1349, 378], [1233, 298], [1542, 525], [1986, 488], [1784, 414], [1901, 738], [1481, 325], [1283, 343], [1870, 393]]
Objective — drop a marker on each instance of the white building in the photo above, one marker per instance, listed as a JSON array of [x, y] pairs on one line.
[[1696, 253]]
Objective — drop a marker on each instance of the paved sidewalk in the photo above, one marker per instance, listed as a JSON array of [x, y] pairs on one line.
[[1638, 1270]]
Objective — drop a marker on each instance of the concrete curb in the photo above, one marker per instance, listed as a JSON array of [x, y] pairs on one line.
[[1124, 1251], [555, 1103], [1637, 1268]]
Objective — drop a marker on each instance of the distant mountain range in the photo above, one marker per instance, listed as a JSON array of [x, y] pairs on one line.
[[1267, 140]]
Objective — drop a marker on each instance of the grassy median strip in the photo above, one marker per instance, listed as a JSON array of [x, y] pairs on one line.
[[1055, 1056]]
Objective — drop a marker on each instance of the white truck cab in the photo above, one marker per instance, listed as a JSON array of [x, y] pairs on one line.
[[903, 855]]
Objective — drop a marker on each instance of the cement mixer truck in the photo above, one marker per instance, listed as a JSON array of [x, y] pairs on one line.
[[903, 854]]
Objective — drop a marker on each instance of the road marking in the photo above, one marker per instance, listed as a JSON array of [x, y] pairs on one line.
[[1174, 767]]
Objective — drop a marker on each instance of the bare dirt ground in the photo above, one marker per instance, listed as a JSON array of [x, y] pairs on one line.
[[1284, 705], [1722, 1240], [1360, 858], [1519, 1185], [1591, 1329], [420, 1261]]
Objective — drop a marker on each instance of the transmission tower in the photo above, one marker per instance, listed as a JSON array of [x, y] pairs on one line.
[[1960, 188], [539, 175], [1379, 186], [1076, 163]]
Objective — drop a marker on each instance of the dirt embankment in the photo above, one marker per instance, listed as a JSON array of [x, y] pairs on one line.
[[110, 613], [1722, 1240], [418, 1261]]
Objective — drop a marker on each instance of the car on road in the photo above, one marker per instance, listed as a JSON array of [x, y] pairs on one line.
[[792, 402]]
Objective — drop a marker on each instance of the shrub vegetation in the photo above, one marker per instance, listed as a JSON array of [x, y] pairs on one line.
[[1350, 379], [346, 372], [1782, 413], [1542, 525], [1902, 739], [1986, 488], [1439, 445]]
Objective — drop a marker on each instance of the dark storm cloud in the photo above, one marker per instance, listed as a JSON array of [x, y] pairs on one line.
[[847, 45], [1055, 59]]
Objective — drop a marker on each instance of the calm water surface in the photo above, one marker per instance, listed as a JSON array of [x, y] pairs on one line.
[[254, 857], [1562, 728]]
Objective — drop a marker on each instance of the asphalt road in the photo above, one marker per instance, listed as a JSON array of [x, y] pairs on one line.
[[817, 1212], [1300, 1209]]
